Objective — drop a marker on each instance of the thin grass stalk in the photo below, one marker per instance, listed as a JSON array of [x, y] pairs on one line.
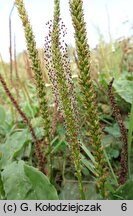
[[16, 72], [15, 64], [16, 83], [19, 83], [111, 168], [10, 46]]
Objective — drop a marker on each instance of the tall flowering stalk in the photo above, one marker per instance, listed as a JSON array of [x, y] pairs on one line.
[[36, 66], [60, 76], [87, 89], [27, 122], [124, 153]]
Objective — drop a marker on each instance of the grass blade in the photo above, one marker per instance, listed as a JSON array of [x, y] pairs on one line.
[[88, 153], [130, 138], [88, 164], [110, 166]]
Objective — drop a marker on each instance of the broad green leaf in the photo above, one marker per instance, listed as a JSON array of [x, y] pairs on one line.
[[15, 182], [43, 189], [23, 182], [70, 191], [124, 88], [114, 130], [2, 115], [12, 147], [2, 130], [112, 152]]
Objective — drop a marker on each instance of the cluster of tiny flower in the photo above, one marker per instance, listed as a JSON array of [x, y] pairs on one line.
[[65, 63]]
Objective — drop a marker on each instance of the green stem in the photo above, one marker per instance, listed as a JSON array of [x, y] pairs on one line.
[[110, 166], [130, 138]]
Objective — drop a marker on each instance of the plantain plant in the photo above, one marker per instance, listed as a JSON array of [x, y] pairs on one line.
[[60, 75], [59, 68]]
